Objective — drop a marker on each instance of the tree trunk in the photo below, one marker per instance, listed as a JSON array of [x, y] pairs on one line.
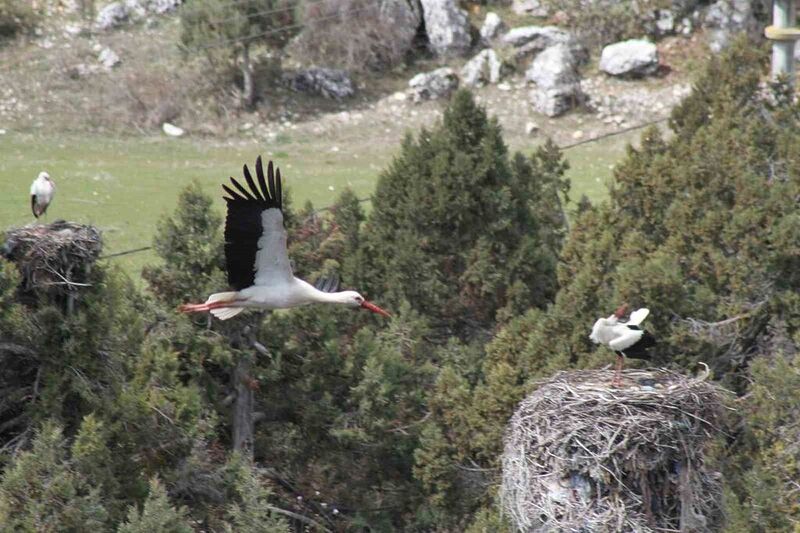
[[248, 83], [243, 408]]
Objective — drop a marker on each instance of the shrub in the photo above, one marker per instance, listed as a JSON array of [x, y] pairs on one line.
[[353, 34]]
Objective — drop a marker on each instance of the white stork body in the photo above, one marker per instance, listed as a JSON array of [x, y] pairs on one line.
[[256, 257], [42, 191], [627, 339]]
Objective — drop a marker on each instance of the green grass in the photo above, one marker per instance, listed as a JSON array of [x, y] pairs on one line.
[[124, 185]]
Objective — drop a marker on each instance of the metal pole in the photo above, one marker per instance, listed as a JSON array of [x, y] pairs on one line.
[[783, 35]]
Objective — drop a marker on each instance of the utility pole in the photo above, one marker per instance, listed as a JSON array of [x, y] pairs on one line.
[[783, 35]]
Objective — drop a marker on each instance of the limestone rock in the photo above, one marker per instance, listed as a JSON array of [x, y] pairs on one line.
[[725, 18], [432, 85], [447, 27], [328, 82], [529, 7], [558, 89], [172, 130], [485, 67], [108, 58], [635, 57], [530, 40], [492, 27], [111, 16]]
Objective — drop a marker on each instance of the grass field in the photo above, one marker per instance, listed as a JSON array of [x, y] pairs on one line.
[[124, 185]]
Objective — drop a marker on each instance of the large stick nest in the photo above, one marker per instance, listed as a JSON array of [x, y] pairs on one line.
[[583, 456], [56, 257]]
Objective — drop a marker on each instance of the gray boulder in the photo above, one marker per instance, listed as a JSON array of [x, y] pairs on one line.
[[160, 7], [113, 15], [432, 85], [725, 18], [330, 83], [447, 27], [484, 68], [108, 58], [635, 57], [530, 40], [406, 15], [555, 73], [492, 27], [533, 8]]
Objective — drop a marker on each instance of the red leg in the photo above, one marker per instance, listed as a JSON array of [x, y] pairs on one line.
[[200, 308], [617, 382]]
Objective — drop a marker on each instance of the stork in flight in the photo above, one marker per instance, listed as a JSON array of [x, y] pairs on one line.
[[256, 258], [627, 339], [42, 191]]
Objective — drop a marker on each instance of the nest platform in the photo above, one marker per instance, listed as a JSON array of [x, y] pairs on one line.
[[54, 257], [583, 456]]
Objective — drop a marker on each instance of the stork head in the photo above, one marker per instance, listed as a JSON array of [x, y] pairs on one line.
[[621, 311], [353, 299], [45, 175]]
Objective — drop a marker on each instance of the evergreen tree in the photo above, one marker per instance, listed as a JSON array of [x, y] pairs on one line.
[[453, 230], [157, 515]]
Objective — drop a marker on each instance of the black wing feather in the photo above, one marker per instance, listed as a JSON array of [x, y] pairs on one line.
[[260, 175], [251, 183], [243, 226], [328, 284], [33, 206]]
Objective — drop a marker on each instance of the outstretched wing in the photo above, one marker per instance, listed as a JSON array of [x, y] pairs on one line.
[[638, 316], [255, 239]]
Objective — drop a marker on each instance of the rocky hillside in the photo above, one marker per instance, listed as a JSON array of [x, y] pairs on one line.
[[121, 68]]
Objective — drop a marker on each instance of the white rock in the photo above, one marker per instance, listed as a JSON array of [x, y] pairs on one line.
[[504, 86], [577, 134], [554, 66], [447, 26], [2, 132], [108, 58], [400, 96], [438, 83], [172, 130], [114, 14], [492, 26], [483, 68], [531, 128], [635, 57], [529, 7], [530, 40]]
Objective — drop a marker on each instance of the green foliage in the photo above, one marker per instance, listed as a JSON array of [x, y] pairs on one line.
[[251, 512], [453, 229], [44, 490], [190, 245], [157, 515], [17, 18]]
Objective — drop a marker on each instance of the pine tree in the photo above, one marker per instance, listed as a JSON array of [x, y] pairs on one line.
[[157, 515]]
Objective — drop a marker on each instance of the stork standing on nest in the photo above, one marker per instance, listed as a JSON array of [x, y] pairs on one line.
[[257, 261], [42, 191], [627, 339]]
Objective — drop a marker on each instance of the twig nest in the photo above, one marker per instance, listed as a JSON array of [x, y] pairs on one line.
[[583, 456], [56, 257]]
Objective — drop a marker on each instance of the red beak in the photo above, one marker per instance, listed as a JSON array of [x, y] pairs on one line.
[[374, 308]]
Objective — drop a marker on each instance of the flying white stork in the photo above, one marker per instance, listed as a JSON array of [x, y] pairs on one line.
[[42, 191], [627, 339], [256, 258]]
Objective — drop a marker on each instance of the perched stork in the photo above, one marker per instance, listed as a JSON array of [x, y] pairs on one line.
[[255, 253], [627, 339], [42, 191]]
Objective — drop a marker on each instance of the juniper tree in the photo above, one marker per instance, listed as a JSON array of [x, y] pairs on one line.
[[454, 229]]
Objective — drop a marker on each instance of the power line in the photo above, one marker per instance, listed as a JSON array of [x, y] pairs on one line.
[[370, 197], [273, 31]]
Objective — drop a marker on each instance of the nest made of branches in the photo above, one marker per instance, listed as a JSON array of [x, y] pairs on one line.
[[581, 455], [56, 257]]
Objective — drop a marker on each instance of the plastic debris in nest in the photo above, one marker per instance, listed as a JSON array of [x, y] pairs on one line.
[[54, 257], [583, 456]]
